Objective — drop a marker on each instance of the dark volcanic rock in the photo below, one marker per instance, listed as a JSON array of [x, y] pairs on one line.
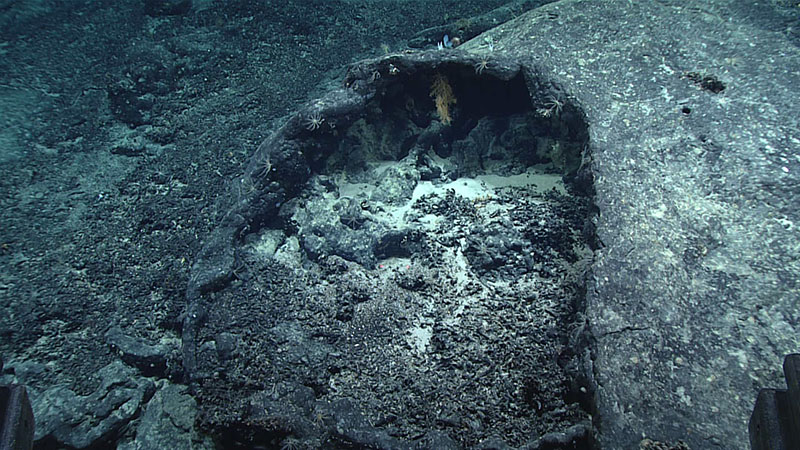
[[469, 304]]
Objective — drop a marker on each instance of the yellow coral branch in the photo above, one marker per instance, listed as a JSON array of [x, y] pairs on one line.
[[443, 96]]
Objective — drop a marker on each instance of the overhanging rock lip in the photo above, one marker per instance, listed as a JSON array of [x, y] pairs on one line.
[[411, 62]]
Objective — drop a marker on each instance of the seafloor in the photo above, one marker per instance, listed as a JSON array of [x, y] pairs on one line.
[[261, 224]]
